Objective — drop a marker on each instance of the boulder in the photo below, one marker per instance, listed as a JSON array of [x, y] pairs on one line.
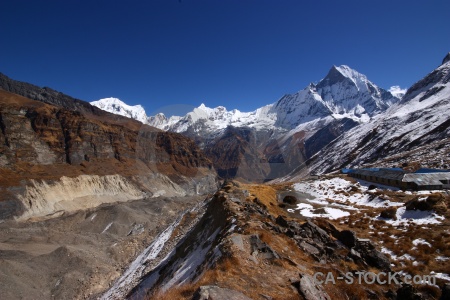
[[261, 249], [212, 292], [328, 227], [314, 232], [375, 259], [310, 290], [308, 248]]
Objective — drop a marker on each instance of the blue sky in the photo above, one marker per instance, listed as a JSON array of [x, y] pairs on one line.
[[240, 54]]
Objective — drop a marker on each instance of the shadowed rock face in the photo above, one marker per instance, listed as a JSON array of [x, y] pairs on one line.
[[235, 154]]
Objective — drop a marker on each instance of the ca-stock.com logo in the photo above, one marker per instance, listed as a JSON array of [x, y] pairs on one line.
[[381, 278]]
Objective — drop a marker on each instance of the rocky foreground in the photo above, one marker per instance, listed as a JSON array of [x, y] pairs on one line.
[[244, 242], [247, 244]]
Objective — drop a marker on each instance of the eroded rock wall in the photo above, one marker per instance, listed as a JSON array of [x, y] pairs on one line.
[[56, 160]]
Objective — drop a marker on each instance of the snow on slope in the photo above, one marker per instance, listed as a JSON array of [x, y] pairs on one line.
[[118, 107], [344, 90], [421, 116], [343, 93], [214, 119]]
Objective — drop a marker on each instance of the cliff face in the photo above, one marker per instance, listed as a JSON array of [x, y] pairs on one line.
[[39, 141]]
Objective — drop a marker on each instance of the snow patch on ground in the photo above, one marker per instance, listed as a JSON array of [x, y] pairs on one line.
[[442, 258], [417, 242], [414, 216], [308, 211], [442, 276], [338, 189], [389, 252]]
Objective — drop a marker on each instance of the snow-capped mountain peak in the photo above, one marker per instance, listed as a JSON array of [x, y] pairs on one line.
[[343, 93], [118, 107], [344, 89], [359, 80], [410, 127]]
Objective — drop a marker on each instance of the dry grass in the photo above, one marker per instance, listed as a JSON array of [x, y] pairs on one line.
[[267, 194]]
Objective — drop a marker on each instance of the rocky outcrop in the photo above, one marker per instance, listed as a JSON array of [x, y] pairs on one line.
[[318, 243], [197, 251]]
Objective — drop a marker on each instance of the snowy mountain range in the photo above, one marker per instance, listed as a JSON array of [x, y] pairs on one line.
[[118, 107], [277, 136], [342, 93]]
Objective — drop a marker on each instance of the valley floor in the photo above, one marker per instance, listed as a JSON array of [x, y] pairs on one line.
[[78, 256]]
